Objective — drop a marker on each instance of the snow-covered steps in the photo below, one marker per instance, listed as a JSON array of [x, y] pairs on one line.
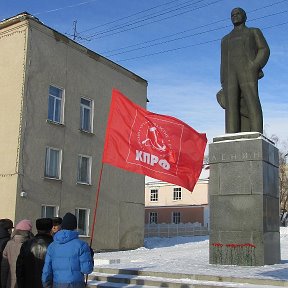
[[104, 284], [118, 278]]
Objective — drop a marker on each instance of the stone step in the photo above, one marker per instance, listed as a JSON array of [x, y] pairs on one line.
[[104, 284], [107, 277]]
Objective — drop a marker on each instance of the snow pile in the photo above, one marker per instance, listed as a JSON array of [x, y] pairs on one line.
[[189, 255]]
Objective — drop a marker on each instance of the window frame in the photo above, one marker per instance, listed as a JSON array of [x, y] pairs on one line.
[[61, 108], [176, 217], [177, 193], [89, 169], [44, 206], [82, 114], [87, 215], [153, 216], [47, 166], [154, 195]]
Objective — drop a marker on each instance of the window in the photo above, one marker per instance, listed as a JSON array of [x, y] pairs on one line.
[[177, 194], [86, 115], [82, 216], [176, 217], [48, 211], [55, 105], [84, 169], [53, 163], [153, 195], [153, 218]]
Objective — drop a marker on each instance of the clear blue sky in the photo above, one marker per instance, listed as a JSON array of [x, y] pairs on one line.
[[179, 51]]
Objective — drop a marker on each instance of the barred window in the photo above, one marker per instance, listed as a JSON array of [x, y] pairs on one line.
[[153, 218], [176, 217]]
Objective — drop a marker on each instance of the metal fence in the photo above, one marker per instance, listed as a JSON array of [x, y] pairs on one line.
[[172, 230]]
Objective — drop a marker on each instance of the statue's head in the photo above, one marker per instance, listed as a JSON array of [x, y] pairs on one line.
[[238, 16]]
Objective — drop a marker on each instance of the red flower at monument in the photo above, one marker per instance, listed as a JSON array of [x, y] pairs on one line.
[[217, 244], [234, 254], [249, 245], [232, 245]]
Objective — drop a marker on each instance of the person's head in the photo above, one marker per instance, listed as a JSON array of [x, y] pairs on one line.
[[238, 16], [69, 222], [57, 221], [44, 225], [24, 225], [7, 224]]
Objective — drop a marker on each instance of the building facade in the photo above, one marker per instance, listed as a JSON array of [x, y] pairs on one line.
[[55, 101], [168, 203]]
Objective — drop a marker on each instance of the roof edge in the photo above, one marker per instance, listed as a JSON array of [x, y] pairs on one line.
[[17, 19], [24, 16]]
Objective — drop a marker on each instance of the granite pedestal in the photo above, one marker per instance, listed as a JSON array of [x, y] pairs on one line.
[[244, 200]]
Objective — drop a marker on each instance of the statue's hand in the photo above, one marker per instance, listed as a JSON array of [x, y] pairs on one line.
[[254, 66]]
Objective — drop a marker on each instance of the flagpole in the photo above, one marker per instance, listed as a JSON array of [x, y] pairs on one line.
[[95, 212], [96, 205]]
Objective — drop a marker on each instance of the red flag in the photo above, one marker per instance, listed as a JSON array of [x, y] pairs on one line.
[[155, 145]]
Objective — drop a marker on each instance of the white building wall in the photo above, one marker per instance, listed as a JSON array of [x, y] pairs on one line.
[[199, 196]]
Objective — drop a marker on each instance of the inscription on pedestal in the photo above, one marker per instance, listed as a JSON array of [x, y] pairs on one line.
[[241, 156]]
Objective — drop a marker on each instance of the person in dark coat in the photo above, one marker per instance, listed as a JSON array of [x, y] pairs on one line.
[[57, 221], [30, 261], [6, 226], [68, 258]]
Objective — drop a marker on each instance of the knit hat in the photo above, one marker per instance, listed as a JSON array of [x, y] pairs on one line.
[[24, 225], [69, 222], [44, 224]]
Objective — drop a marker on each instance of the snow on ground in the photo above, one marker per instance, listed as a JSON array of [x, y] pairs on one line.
[[189, 255]]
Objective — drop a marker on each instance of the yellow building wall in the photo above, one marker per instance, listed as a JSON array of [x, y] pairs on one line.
[[12, 66]]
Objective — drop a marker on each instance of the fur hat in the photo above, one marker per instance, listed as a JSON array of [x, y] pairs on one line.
[[24, 225], [44, 224], [69, 222], [6, 223], [57, 221]]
